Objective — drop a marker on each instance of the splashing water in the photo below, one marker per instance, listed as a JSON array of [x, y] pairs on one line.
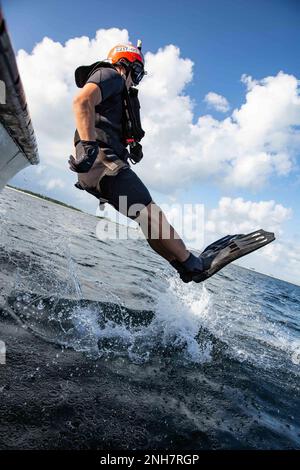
[[105, 330]]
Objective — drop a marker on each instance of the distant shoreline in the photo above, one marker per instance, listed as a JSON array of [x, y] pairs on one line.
[[60, 203], [41, 196]]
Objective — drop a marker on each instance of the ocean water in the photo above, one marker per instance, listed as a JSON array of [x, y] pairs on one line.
[[107, 349]]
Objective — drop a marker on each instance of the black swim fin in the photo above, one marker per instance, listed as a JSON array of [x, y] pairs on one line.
[[222, 252]]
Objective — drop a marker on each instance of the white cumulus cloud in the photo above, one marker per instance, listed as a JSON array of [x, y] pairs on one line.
[[217, 102], [244, 150], [258, 140], [235, 215]]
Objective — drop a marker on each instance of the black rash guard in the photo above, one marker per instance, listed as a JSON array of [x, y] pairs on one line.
[[109, 134], [108, 122]]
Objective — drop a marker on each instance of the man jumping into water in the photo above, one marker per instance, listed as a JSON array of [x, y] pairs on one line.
[[107, 136]]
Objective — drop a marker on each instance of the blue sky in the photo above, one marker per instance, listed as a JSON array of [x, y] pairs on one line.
[[223, 38]]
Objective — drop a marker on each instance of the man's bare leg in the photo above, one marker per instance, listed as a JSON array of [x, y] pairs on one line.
[[156, 246], [161, 236]]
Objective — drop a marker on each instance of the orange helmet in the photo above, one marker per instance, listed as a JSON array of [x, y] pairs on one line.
[[125, 51], [131, 58]]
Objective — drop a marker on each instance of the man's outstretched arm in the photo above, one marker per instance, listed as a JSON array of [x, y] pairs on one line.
[[84, 110]]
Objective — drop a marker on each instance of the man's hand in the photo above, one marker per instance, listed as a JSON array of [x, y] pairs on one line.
[[136, 152], [85, 162]]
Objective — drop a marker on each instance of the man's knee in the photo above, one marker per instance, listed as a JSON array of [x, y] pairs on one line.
[[139, 211]]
